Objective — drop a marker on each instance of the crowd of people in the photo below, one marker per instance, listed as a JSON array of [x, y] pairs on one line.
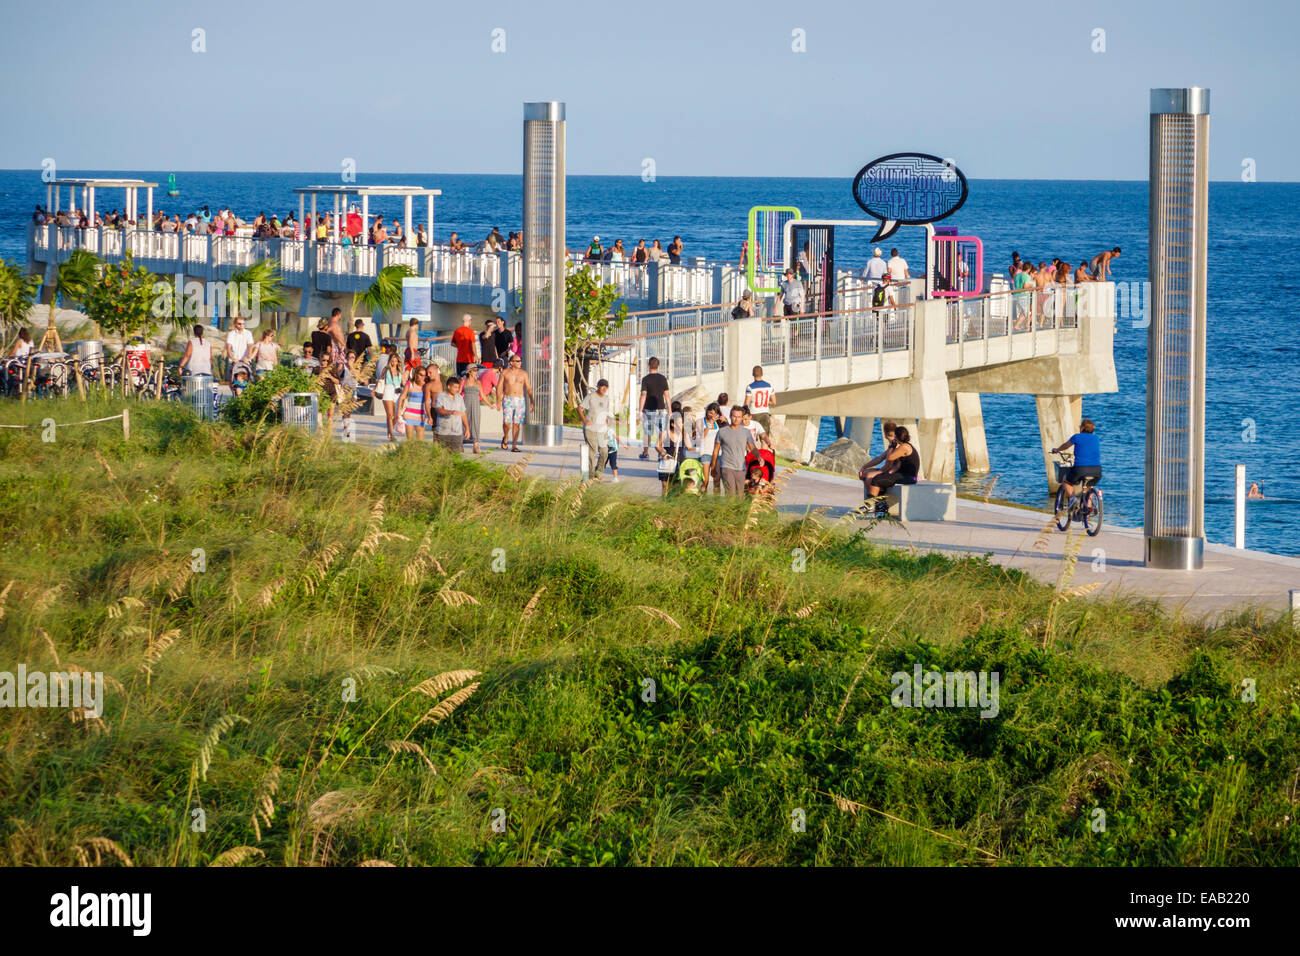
[[245, 357], [351, 228], [723, 445], [415, 393], [638, 255], [1032, 283]]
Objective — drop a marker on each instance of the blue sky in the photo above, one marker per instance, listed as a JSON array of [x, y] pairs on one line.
[[707, 88]]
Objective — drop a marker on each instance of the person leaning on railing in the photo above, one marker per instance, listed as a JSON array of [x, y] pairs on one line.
[[745, 307], [792, 292]]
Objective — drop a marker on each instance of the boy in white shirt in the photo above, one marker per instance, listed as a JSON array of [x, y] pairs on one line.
[[755, 428]]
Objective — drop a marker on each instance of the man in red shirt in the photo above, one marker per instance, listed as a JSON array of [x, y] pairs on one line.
[[466, 342]]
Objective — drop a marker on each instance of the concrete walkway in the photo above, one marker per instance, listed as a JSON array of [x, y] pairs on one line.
[[1231, 580]]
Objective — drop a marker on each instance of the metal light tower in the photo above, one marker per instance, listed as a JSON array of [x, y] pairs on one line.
[[543, 257], [1175, 438]]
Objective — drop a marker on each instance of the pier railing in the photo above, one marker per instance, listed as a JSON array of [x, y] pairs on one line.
[[691, 343], [831, 335], [471, 276], [1009, 312]]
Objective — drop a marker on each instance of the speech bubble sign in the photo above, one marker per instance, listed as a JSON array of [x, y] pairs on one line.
[[908, 189]]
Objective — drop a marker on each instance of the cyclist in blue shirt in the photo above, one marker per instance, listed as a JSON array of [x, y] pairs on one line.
[[1087, 456]]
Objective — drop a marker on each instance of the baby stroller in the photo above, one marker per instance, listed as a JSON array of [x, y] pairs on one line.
[[239, 375], [690, 477], [760, 469]]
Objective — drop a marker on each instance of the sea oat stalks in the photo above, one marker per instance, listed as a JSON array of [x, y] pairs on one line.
[[100, 846], [846, 805]]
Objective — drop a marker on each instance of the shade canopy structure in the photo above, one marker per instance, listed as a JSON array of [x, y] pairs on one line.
[[132, 187], [341, 194]]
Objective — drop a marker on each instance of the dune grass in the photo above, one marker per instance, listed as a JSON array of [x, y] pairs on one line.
[[340, 656]]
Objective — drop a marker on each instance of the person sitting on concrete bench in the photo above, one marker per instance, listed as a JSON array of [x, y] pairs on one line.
[[909, 465], [869, 471]]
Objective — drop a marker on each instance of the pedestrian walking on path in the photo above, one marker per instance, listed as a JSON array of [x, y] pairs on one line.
[[595, 413], [730, 447]]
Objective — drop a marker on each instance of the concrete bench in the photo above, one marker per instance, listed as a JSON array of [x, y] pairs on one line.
[[923, 501]]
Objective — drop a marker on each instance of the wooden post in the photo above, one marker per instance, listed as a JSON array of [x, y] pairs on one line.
[[126, 423], [81, 384], [50, 341], [27, 378]]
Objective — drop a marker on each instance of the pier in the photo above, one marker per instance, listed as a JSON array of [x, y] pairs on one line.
[[924, 364], [923, 361]]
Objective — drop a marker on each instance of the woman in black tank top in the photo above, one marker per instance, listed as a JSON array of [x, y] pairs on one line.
[[909, 465]]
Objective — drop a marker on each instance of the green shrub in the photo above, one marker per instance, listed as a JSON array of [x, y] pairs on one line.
[[260, 401]]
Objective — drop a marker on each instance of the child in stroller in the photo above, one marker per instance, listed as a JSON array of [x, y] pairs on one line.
[[760, 469], [690, 476], [239, 375]]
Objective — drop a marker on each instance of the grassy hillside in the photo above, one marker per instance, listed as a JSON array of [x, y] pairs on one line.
[[520, 697]]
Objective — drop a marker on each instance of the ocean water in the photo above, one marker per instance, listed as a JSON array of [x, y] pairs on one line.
[[1254, 324]]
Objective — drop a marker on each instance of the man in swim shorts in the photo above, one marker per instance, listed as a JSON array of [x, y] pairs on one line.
[[513, 388], [413, 345]]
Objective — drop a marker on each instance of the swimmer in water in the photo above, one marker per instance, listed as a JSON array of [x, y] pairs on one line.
[[1254, 491]]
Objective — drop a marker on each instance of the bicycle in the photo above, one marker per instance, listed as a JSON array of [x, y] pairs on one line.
[[171, 384], [1084, 506]]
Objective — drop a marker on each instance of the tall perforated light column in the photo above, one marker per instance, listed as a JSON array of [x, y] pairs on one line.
[[1175, 438], [543, 345]]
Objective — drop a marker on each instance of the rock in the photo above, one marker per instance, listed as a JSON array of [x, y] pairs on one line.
[[842, 456], [783, 440], [696, 397]]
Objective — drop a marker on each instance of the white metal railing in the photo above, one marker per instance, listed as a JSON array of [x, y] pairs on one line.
[[695, 283], [464, 268], [402, 256], [233, 251], [293, 255], [111, 243], [683, 284], [844, 334], [630, 278], [196, 249], [338, 259], [692, 342], [1009, 312]]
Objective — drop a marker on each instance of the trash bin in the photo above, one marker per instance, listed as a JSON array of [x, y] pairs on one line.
[[301, 408], [198, 393], [90, 352]]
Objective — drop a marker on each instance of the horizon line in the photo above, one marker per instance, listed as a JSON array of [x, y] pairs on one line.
[[293, 172]]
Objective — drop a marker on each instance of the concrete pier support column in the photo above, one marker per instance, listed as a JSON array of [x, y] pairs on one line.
[[936, 440], [974, 445], [804, 430], [1058, 419], [860, 430], [742, 350]]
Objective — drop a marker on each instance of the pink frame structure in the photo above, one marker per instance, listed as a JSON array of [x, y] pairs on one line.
[[975, 275]]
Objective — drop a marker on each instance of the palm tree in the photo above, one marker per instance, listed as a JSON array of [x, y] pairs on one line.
[[264, 280], [18, 291], [76, 274], [384, 294]]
